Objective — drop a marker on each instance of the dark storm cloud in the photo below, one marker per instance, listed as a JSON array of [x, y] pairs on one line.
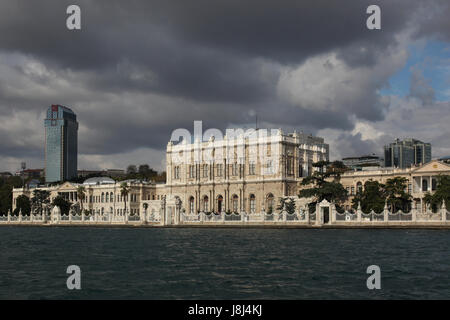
[[139, 69], [198, 49], [283, 31], [435, 20]]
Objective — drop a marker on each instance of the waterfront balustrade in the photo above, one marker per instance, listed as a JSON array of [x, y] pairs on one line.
[[330, 216]]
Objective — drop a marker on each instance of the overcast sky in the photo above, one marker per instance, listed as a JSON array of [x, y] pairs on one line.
[[140, 69]]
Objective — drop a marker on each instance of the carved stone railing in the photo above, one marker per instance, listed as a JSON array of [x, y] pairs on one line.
[[300, 216], [346, 216], [233, 217]]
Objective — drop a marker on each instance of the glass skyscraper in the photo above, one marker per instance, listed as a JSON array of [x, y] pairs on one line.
[[405, 153], [61, 144]]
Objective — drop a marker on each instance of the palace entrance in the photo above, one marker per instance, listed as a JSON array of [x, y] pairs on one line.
[[326, 215]]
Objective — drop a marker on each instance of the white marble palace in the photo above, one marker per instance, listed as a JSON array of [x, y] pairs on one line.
[[227, 178]]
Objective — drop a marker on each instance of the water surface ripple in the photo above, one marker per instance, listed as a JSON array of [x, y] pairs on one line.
[[124, 263]]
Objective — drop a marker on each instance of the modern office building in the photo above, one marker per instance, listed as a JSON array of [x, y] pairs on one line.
[[359, 163], [406, 153], [61, 144]]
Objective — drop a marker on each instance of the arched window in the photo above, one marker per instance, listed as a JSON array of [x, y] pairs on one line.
[[191, 205], [235, 203], [111, 197], [103, 197], [220, 203], [205, 203], [269, 201], [252, 203]]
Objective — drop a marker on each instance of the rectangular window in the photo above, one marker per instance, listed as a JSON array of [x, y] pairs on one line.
[[219, 170], [269, 167], [290, 165], [192, 171], [176, 172], [205, 171], [234, 169], [251, 168]]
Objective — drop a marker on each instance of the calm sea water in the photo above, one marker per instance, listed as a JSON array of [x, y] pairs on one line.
[[223, 263]]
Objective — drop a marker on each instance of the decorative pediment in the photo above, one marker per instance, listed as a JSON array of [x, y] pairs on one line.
[[435, 167], [67, 186]]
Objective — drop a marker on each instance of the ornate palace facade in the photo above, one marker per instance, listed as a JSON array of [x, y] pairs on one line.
[[244, 174]]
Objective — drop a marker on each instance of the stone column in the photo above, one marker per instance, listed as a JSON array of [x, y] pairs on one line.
[[20, 215], [386, 212], [144, 218], [178, 205], [414, 213], [318, 214], [333, 212], [359, 213], [307, 214], [9, 215], [163, 210], [443, 211], [82, 216]]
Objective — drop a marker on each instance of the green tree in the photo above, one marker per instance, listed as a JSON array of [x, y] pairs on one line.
[[396, 195], [81, 192], [62, 203], [281, 204], [6, 194], [321, 186], [290, 206], [441, 194], [145, 172], [22, 204], [131, 169], [371, 198], [40, 199], [124, 191]]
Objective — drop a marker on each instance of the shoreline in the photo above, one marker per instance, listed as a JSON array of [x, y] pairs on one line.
[[436, 226]]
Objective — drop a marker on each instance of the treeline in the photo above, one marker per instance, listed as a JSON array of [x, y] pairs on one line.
[[324, 183], [6, 186], [144, 172], [141, 172]]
